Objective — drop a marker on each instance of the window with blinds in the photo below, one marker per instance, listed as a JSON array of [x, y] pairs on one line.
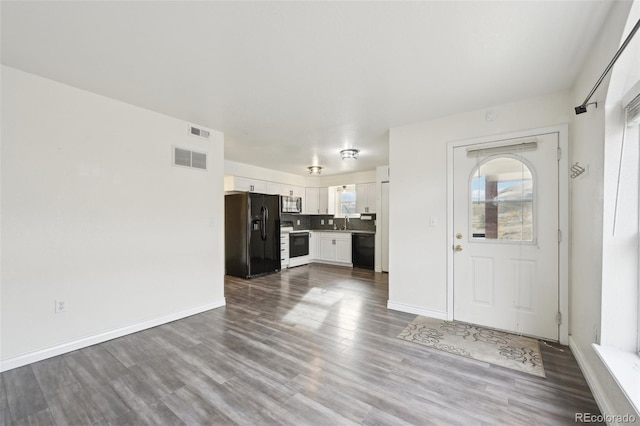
[[631, 104], [633, 111]]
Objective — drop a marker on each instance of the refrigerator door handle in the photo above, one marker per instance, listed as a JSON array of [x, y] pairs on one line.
[[266, 219], [262, 223]]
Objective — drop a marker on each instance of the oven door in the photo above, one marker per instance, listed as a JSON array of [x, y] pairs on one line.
[[298, 244]]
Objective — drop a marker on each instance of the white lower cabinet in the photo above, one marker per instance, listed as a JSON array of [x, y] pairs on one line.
[[314, 240], [284, 250], [343, 249], [333, 247], [327, 248]]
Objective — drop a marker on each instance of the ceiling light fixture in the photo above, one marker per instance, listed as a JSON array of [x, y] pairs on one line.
[[349, 153], [314, 170]]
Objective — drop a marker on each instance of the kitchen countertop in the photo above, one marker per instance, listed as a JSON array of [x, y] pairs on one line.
[[344, 231]]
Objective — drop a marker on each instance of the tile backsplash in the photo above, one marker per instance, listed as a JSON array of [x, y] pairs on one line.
[[313, 222], [305, 222]]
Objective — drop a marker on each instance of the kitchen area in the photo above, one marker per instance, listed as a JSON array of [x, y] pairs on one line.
[[326, 239], [332, 225]]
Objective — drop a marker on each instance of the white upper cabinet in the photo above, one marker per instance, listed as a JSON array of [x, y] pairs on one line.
[[366, 197], [274, 188], [317, 201], [291, 190], [297, 191], [311, 198], [238, 183], [323, 200]]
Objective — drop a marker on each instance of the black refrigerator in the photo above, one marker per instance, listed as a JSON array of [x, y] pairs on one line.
[[252, 234]]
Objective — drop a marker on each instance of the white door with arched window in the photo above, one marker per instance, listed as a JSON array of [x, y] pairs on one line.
[[505, 224]]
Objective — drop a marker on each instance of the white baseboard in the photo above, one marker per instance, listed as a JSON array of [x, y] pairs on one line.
[[31, 357], [594, 384], [410, 309], [327, 262]]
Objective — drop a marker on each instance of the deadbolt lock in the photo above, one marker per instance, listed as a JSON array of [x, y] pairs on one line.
[[459, 236], [458, 248]]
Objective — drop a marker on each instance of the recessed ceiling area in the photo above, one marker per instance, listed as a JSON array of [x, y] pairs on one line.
[[291, 84]]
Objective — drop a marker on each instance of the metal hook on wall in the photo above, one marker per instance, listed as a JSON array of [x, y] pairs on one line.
[[577, 170]]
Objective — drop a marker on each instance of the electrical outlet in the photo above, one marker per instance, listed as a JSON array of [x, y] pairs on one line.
[[321, 221], [595, 334], [330, 221], [298, 221], [60, 306]]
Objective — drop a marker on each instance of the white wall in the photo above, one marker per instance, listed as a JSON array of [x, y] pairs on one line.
[[418, 162], [344, 179], [235, 168], [382, 175], [94, 213]]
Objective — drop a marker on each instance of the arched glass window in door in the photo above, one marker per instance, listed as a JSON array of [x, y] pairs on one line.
[[502, 200]]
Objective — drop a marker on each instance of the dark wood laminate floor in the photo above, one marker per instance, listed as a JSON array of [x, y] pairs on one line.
[[314, 345]]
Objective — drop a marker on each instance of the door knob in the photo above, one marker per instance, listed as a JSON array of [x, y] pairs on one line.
[[458, 248]]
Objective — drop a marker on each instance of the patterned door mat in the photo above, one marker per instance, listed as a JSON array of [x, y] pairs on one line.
[[472, 341]]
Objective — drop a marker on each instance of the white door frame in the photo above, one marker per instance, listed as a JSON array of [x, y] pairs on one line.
[[563, 215]]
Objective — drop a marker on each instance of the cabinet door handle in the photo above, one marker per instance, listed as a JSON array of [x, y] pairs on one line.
[[250, 187], [333, 242]]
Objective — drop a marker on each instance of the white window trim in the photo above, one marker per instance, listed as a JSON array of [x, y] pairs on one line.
[[624, 365]]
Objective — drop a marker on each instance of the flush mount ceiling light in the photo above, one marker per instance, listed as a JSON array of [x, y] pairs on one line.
[[349, 153], [314, 170]]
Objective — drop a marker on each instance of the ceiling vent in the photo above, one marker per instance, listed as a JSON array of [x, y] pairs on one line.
[[199, 132], [188, 158]]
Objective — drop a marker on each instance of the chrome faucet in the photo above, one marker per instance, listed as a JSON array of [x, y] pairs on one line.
[[346, 222]]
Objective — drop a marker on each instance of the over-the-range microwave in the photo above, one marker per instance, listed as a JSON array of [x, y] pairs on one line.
[[290, 204]]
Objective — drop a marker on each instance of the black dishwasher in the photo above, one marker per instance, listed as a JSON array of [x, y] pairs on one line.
[[363, 248]]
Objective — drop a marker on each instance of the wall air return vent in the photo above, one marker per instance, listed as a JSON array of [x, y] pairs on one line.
[[188, 158], [199, 132]]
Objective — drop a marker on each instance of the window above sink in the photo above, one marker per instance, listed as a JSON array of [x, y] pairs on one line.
[[342, 201]]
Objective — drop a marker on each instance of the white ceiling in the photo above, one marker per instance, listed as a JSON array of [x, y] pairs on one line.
[[292, 83]]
